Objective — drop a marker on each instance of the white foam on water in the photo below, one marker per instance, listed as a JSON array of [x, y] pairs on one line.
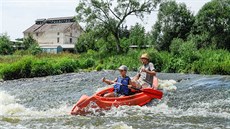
[[213, 103], [62, 110], [163, 109], [205, 109], [10, 126], [124, 111], [8, 105], [117, 125], [168, 85], [205, 113]]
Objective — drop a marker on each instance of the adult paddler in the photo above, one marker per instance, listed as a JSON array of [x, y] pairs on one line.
[[145, 76]]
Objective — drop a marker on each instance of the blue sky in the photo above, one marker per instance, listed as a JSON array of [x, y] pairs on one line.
[[17, 15]]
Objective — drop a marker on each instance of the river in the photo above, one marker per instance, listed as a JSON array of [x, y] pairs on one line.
[[45, 103]]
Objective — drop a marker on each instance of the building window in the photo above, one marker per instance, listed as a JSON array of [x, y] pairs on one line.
[[58, 33], [70, 40], [57, 40], [36, 34], [70, 34]]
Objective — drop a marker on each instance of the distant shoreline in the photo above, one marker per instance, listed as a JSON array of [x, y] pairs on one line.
[[29, 66]]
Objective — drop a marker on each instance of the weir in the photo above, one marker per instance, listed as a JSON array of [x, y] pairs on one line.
[[197, 102]]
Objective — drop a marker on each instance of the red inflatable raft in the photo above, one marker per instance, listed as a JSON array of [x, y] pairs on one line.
[[99, 102]]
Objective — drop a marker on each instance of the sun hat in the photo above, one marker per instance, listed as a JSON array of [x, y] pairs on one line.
[[145, 56]]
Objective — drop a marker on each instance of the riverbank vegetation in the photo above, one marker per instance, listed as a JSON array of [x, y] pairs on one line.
[[203, 61], [178, 42]]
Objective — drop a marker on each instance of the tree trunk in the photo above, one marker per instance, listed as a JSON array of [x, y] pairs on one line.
[[117, 43]]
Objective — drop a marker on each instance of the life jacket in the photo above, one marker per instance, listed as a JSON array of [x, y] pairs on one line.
[[122, 89]]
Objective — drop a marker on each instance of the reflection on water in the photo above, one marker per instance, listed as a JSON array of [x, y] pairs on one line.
[[194, 102]]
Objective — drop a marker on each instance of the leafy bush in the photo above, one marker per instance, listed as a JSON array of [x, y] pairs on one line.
[[20, 69], [42, 68], [67, 65], [34, 49], [29, 66], [107, 45], [175, 45], [5, 47], [29, 42], [188, 60], [212, 62], [112, 66], [87, 63], [11, 72], [99, 67], [21, 52], [188, 52]]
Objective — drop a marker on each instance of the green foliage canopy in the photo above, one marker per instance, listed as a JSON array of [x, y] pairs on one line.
[[5, 45], [214, 21], [174, 21], [110, 15], [137, 35], [31, 45], [29, 41]]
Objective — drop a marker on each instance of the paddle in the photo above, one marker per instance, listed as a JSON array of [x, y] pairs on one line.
[[155, 82]]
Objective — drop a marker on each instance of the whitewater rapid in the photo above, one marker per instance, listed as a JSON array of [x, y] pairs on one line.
[[190, 101]]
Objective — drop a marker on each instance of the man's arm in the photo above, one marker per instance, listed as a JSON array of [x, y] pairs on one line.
[[152, 73], [151, 70], [130, 84], [136, 77]]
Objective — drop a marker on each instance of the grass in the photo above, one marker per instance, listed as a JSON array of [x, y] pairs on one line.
[[203, 61]]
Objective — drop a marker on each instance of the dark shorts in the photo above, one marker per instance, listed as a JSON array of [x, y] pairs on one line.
[[117, 94]]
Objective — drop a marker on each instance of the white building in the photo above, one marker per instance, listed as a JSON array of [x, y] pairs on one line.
[[55, 33]]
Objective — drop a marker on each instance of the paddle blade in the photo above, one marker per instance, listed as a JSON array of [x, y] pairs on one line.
[[155, 82], [153, 93]]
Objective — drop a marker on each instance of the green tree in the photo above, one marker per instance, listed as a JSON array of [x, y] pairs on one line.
[[29, 41], [213, 20], [86, 41], [31, 45], [174, 21], [5, 45], [34, 49], [137, 35], [110, 15]]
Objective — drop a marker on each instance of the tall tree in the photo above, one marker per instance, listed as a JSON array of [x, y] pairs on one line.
[[110, 15], [174, 21], [214, 20]]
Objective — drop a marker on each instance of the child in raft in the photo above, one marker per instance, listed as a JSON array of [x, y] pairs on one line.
[[121, 83]]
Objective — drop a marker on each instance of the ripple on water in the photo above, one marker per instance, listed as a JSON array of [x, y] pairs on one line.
[[198, 102]]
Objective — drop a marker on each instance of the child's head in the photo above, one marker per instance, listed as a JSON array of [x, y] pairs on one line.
[[123, 70]]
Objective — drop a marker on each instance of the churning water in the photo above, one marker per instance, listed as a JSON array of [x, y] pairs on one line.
[[45, 103]]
